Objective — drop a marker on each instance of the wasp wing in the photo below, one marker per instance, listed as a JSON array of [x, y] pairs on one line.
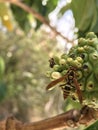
[[53, 83], [79, 92]]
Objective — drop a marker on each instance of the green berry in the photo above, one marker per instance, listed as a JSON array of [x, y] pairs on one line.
[[55, 75], [79, 74], [80, 49], [90, 35], [79, 59], [56, 67], [84, 59], [82, 42], [62, 61]]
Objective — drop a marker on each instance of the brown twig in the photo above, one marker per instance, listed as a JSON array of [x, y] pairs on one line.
[[71, 118], [37, 16]]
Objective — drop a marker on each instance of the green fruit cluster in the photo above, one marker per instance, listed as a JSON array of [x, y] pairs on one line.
[[83, 57]]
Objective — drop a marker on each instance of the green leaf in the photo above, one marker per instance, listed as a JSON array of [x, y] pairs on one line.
[[21, 17], [2, 66], [94, 126], [65, 8], [44, 10], [3, 90], [85, 14]]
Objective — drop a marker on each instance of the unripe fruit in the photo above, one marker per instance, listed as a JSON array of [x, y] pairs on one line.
[[69, 60], [77, 64], [83, 58], [55, 75], [56, 67], [80, 49], [62, 61], [79, 74], [82, 42], [79, 59], [90, 35]]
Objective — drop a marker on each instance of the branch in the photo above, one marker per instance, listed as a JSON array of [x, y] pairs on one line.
[[72, 118], [37, 16]]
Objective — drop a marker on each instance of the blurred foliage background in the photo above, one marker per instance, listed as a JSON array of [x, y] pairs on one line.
[[23, 67], [25, 47]]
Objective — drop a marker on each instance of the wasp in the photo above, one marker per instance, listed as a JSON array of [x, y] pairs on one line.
[[67, 88], [71, 84], [52, 62]]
